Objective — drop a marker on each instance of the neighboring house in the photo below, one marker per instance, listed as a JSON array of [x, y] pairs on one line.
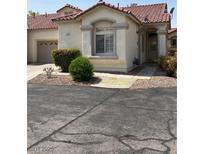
[[114, 38], [172, 39]]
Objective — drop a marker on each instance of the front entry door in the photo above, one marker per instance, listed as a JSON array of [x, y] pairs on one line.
[[152, 52]]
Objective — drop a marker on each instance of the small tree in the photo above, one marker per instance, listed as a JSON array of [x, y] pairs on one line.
[[30, 13]]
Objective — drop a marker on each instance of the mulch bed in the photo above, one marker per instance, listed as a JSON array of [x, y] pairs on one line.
[[159, 79], [60, 80]]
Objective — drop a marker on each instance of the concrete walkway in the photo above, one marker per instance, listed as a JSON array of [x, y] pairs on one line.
[[110, 80]]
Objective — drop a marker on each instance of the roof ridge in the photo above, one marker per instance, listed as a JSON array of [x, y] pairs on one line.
[[146, 5], [102, 3], [70, 6], [37, 15]]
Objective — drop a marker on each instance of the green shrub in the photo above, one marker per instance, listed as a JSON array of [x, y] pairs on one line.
[[63, 57], [163, 62], [81, 69], [172, 52], [168, 64], [171, 66]]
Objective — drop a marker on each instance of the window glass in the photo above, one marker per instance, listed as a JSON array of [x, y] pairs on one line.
[[99, 43], [109, 43], [104, 40]]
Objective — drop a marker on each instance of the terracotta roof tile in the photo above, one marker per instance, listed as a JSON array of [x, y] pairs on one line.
[[41, 22], [98, 4], [45, 22], [155, 13], [172, 30], [70, 6], [66, 17]]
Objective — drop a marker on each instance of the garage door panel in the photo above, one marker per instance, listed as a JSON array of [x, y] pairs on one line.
[[44, 49]]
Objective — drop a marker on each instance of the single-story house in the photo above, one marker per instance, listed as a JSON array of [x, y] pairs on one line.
[[114, 38], [172, 39]]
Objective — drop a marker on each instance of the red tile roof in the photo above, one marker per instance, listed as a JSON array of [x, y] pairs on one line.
[[70, 6], [66, 17], [41, 22], [153, 13], [128, 12], [123, 10], [45, 22], [172, 30]]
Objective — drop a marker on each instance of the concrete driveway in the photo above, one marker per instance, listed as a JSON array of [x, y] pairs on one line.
[[86, 120]]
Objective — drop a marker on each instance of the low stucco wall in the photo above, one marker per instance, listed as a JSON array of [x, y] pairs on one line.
[[38, 35]]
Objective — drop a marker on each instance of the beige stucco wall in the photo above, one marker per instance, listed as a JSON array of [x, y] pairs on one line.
[[109, 65], [103, 13], [118, 63], [38, 35], [162, 39], [132, 49], [70, 35]]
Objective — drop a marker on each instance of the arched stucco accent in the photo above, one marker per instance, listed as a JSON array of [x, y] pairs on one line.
[[103, 20]]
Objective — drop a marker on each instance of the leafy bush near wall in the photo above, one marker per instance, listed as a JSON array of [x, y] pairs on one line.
[[172, 52], [168, 64], [63, 57], [81, 69], [163, 62]]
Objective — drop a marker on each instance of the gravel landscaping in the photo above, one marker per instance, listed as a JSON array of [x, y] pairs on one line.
[[159, 79], [60, 80]]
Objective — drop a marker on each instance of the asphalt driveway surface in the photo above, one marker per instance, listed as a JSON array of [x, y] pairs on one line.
[[85, 120]]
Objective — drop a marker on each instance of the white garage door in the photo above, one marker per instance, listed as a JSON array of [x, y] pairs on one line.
[[44, 49]]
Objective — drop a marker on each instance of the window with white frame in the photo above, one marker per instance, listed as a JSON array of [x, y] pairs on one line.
[[105, 41]]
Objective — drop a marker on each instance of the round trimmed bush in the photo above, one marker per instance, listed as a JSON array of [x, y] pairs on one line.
[[81, 69], [63, 57]]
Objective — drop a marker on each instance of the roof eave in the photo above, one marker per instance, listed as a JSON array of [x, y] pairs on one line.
[[150, 23], [32, 29]]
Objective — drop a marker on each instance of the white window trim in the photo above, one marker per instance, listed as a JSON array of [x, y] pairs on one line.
[[111, 31]]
